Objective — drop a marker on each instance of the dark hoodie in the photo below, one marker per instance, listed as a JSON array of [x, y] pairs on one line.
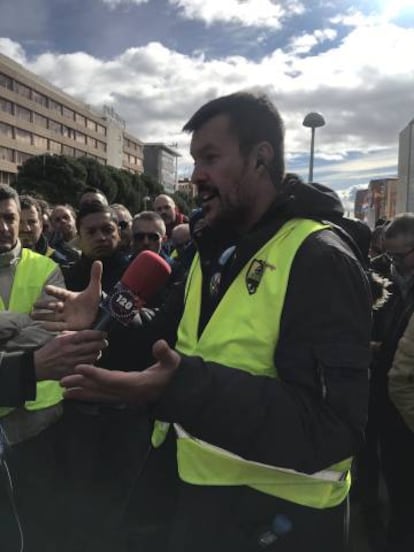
[[310, 417], [318, 407]]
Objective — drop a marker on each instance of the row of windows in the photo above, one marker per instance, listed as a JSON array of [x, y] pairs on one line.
[[44, 101], [24, 114], [132, 145], [14, 156], [131, 159], [19, 157]]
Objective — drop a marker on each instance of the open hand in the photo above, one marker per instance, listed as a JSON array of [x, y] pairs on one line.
[[71, 310], [97, 384]]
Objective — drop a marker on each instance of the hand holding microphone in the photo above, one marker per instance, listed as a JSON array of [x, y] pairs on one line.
[[71, 310], [141, 281]]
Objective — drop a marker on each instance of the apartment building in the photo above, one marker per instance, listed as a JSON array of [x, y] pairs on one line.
[[405, 197], [37, 118], [160, 161]]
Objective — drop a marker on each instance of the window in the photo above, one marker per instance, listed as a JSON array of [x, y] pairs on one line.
[[91, 125], [101, 145], [92, 142], [55, 127], [67, 150], [23, 113], [23, 90], [6, 177], [55, 146], [101, 161], [81, 138], [6, 130], [55, 106], [125, 158], [68, 132], [80, 119], [6, 154], [23, 136], [79, 153], [22, 157], [39, 120], [69, 113], [6, 106], [40, 142], [39, 98], [6, 81], [101, 130]]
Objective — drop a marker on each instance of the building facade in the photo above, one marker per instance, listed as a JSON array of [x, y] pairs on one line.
[[37, 118], [379, 201], [160, 161], [405, 196]]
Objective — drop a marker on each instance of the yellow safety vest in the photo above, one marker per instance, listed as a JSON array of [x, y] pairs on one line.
[[32, 271], [246, 341]]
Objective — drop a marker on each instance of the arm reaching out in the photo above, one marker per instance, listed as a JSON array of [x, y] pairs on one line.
[[71, 310], [96, 384]]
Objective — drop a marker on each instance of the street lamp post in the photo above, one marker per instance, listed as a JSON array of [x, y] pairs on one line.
[[312, 120]]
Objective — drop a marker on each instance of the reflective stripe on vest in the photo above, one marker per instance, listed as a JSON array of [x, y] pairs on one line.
[[32, 272], [246, 340]]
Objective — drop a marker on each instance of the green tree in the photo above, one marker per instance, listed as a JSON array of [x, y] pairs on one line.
[[99, 176], [56, 178]]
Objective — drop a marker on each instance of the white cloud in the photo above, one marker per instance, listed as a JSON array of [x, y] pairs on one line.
[[303, 44], [362, 86], [249, 13], [13, 50]]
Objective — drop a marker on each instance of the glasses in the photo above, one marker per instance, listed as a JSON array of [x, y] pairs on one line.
[[398, 257], [152, 236]]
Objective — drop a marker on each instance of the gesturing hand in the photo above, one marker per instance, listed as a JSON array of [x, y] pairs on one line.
[[97, 384], [72, 310], [60, 355]]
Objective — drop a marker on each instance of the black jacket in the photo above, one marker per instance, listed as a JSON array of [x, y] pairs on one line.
[[318, 407], [310, 417]]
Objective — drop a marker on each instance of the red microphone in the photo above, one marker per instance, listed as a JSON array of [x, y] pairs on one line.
[[143, 278]]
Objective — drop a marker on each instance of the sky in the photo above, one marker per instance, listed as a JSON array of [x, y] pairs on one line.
[[157, 61]]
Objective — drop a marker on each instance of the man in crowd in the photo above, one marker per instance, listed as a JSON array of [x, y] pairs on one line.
[[31, 230], [148, 232], [396, 440], [125, 226], [92, 195], [165, 206], [63, 219], [266, 379], [102, 444], [29, 415], [99, 239]]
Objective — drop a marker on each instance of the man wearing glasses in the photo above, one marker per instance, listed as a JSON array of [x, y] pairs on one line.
[[148, 232], [396, 440]]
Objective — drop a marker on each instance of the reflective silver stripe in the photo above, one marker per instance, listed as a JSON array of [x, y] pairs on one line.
[[324, 475]]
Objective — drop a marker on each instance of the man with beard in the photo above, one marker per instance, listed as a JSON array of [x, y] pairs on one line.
[[31, 230], [262, 371], [165, 206]]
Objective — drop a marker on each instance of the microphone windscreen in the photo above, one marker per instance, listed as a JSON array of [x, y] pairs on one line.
[[146, 275]]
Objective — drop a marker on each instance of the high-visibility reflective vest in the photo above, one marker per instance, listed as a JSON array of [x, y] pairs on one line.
[[243, 333], [32, 272]]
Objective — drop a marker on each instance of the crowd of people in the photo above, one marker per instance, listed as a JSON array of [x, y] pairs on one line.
[[273, 376]]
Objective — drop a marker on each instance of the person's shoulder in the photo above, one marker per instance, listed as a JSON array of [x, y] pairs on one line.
[[327, 243]]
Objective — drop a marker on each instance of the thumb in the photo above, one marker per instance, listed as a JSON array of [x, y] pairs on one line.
[[167, 357], [95, 277]]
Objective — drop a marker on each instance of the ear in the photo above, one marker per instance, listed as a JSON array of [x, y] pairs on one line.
[[264, 155]]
